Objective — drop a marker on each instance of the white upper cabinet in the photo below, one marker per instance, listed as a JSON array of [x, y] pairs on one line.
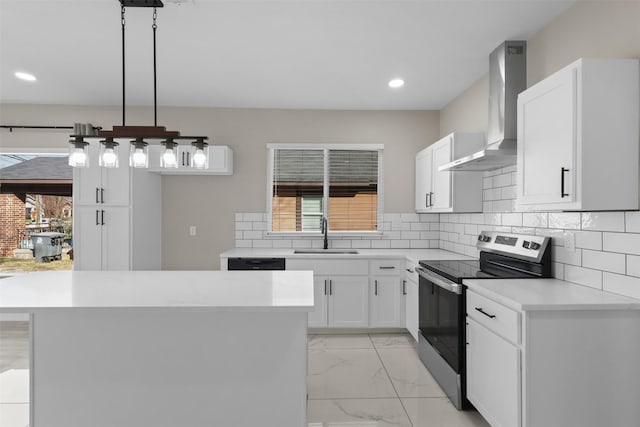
[[220, 161], [446, 191], [578, 137], [104, 186]]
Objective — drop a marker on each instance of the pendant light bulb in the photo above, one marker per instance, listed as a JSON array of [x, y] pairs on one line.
[[138, 157], [169, 157], [200, 156], [78, 153], [109, 154]]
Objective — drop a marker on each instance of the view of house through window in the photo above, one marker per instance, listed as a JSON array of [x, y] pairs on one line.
[[36, 211], [339, 184]]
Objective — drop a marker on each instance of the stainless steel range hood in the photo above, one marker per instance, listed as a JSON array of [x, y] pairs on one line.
[[507, 78]]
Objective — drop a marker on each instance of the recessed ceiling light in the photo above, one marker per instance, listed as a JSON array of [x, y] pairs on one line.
[[25, 76], [396, 83]]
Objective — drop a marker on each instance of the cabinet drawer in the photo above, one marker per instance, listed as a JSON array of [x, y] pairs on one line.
[[330, 266], [498, 318], [381, 267]]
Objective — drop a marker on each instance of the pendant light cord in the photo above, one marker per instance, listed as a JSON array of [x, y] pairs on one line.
[[155, 91], [123, 60]]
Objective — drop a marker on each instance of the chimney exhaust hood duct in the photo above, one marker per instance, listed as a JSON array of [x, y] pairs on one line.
[[507, 78]]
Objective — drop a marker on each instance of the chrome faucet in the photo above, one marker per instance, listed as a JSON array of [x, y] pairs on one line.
[[325, 231]]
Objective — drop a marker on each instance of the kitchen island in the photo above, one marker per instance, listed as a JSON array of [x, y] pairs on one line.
[[165, 348]]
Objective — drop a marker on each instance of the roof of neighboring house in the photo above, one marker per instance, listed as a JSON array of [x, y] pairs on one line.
[[40, 175], [39, 168]]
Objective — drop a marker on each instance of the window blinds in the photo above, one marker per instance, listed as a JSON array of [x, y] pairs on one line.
[[302, 194]]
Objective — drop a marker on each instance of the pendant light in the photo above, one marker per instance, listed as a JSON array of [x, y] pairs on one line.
[[200, 154], [138, 137]]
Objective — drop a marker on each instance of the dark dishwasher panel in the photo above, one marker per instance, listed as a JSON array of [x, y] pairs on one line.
[[255, 264]]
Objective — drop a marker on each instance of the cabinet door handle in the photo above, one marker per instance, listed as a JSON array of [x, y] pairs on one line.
[[430, 199], [410, 270], [97, 198], [330, 287], [562, 193], [102, 214], [404, 287], [102, 195], [426, 200], [490, 316], [97, 213], [375, 292], [325, 286], [388, 267], [183, 158]]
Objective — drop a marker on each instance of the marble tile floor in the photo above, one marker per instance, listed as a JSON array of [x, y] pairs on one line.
[[376, 380]]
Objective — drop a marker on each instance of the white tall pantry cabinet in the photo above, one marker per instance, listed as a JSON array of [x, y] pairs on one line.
[[117, 216], [578, 138]]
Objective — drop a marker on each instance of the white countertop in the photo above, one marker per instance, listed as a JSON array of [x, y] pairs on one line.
[[413, 255], [210, 290], [549, 294]]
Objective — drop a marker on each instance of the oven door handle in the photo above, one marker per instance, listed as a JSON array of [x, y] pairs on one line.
[[439, 280]]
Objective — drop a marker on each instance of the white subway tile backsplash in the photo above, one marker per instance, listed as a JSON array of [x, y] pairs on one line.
[[253, 216], [471, 229], [263, 243], [492, 194], [419, 244], [508, 193], [340, 244], [583, 276], [282, 244], [503, 205], [493, 218], [514, 219], [429, 235], [464, 218], [410, 217], [557, 270], [434, 226], [487, 182], [606, 261], [259, 225], [361, 244], [253, 235], [477, 218], [628, 243], [567, 256], [589, 240], [399, 244], [557, 236], [487, 206], [380, 244], [244, 244], [420, 226], [409, 235], [535, 219], [566, 220], [238, 216], [632, 222], [301, 244], [244, 225], [633, 265], [623, 285], [239, 235], [603, 221], [502, 180]]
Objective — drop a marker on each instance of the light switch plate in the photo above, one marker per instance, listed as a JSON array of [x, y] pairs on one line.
[[192, 230]]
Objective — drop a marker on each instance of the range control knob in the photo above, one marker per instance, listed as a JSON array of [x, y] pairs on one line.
[[525, 244], [535, 246], [484, 238]]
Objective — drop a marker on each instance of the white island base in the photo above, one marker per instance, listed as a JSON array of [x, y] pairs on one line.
[[183, 364], [125, 368]]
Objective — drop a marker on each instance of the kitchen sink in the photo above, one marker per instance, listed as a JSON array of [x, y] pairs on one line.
[[325, 251]]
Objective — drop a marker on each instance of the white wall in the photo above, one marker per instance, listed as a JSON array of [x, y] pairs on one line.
[[210, 202], [607, 244]]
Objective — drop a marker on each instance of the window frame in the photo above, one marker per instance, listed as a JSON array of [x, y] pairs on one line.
[[271, 147]]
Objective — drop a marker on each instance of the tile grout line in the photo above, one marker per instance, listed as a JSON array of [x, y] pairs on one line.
[[391, 381]]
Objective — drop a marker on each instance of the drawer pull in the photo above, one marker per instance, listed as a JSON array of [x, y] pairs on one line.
[[490, 316], [383, 267]]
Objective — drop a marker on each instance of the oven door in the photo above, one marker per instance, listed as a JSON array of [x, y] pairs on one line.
[[441, 316]]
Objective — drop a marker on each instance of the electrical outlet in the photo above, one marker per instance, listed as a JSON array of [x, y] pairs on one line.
[[570, 240], [192, 230]]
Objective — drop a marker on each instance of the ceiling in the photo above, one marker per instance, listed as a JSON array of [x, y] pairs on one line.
[[319, 54]]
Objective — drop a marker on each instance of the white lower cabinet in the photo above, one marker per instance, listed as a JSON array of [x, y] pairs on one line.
[[493, 376], [355, 293], [558, 364], [348, 301], [410, 292], [387, 302]]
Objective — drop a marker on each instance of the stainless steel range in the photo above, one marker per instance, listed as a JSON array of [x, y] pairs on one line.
[[442, 300]]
